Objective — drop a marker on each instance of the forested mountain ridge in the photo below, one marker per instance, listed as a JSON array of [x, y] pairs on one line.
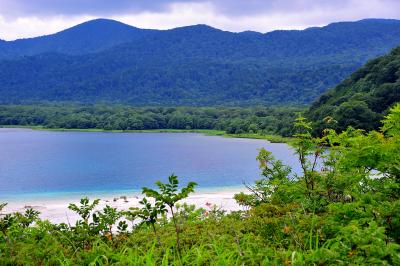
[[198, 65], [101, 34], [362, 99], [88, 37]]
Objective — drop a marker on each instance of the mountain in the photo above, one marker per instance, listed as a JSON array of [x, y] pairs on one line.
[[88, 37], [363, 98], [193, 65]]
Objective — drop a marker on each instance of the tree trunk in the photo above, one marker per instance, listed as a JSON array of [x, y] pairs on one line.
[[178, 241]]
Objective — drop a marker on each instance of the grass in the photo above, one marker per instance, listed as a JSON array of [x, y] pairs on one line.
[[208, 132], [270, 138]]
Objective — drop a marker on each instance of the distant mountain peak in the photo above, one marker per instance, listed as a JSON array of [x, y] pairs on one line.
[[104, 21], [374, 21], [100, 24], [385, 20], [88, 37], [198, 28], [250, 32]]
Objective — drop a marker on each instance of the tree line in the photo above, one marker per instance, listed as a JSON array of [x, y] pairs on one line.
[[262, 120]]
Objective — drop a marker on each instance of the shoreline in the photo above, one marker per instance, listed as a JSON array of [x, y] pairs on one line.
[[55, 209], [53, 206], [208, 132], [21, 197]]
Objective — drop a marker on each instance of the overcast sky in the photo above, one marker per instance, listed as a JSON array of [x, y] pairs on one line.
[[30, 18]]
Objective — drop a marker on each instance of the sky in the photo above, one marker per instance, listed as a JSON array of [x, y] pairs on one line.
[[31, 18]]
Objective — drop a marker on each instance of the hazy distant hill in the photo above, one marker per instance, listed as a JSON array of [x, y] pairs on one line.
[[88, 37], [104, 60], [362, 99]]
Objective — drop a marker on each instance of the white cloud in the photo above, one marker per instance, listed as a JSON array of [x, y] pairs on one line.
[[179, 14], [206, 13], [26, 27]]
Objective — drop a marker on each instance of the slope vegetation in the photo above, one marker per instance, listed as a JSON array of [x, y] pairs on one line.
[[88, 37], [363, 98], [195, 65]]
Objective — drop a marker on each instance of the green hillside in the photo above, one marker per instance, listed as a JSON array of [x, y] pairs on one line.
[[363, 98], [103, 61]]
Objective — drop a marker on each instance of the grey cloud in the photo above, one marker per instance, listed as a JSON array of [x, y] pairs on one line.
[[23, 8], [249, 7]]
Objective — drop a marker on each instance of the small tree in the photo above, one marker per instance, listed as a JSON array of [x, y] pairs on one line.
[[169, 195], [2, 205], [149, 214], [309, 151], [83, 229], [6, 220], [85, 209], [276, 176], [28, 217], [106, 219]]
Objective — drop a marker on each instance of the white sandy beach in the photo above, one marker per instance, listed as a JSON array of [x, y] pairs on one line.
[[56, 210]]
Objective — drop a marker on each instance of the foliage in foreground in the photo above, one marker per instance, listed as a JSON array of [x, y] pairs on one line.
[[343, 209]]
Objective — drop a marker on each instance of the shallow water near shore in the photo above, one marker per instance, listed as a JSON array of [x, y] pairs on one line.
[[44, 164]]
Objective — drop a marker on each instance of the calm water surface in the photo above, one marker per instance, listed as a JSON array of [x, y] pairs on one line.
[[40, 162]]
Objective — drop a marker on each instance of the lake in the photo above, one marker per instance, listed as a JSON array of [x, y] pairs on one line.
[[50, 163]]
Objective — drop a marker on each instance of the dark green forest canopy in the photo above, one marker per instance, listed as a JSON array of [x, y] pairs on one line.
[[263, 120], [196, 65], [363, 98]]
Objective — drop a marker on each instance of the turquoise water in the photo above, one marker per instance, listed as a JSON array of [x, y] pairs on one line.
[[59, 163]]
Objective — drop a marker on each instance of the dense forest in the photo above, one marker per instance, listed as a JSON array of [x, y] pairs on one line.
[[195, 65], [362, 99], [102, 34], [344, 213], [89, 37], [260, 120]]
